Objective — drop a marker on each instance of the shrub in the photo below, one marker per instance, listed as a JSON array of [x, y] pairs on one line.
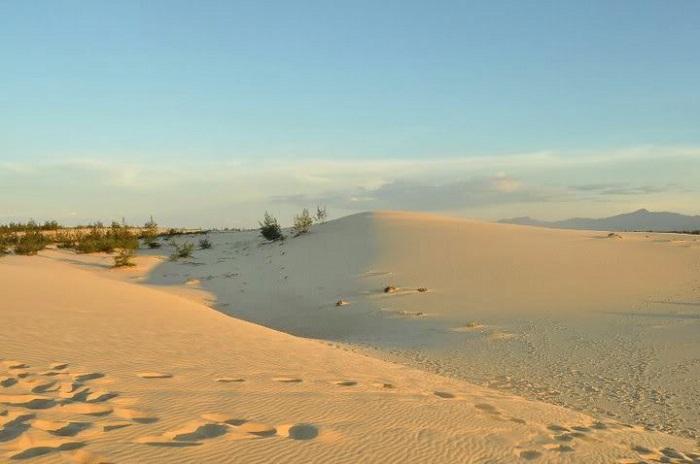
[[4, 245], [321, 214], [151, 242], [302, 222], [66, 240], [181, 251], [106, 241], [31, 243], [270, 228], [124, 258], [205, 243], [149, 234]]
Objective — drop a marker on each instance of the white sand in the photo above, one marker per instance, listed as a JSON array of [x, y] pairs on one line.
[[157, 377]]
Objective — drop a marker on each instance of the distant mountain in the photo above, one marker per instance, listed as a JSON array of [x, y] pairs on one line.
[[641, 220]]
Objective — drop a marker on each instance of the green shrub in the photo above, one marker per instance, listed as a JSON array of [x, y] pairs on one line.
[[181, 251], [205, 243], [66, 240], [124, 258], [106, 241], [302, 222], [31, 243], [270, 228], [152, 242], [149, 234]]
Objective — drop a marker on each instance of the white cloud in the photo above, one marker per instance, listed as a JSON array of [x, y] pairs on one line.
[[223, 193]]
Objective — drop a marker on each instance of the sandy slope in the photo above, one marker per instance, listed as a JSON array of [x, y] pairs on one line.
[[604, 325], [144, 366]]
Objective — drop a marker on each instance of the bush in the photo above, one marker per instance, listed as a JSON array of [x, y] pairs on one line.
[[149, 234], [106, 241], [124, 258], [205, 243], [302, 222], [31, 243], [4, 245], [66, 240], [151, 242], [181, 251], [321, 214], [270, 228]]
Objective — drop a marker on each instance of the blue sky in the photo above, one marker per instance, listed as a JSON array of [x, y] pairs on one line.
[[241, 106]]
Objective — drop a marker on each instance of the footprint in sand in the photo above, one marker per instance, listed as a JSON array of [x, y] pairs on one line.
[[487, 408], [196, 430], [13, 425], [39, 385], [7, 381], [14, 365], [32, 445], [581, 428], [565, 437], [228, 379], [108, 426], [557, 428], [222, 418], [86, 409], [28, 401], [255, 428], [154, 375], [78, 394], [159, 440], [135, 416], [58, 366], [443, 394], [530, 454], [60, 428], [287, 379], [559, 448], [297, 431], [100, 396], [85, 376], [344, 383]]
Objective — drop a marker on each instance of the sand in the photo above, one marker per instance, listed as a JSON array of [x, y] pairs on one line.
[[148, 364]]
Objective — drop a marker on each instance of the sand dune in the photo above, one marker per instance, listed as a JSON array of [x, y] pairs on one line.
[[148, 376]]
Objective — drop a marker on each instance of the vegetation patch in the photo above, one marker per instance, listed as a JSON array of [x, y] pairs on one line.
[[181, 250], [124, 258], [31, 243], [270, 229], [302, 222]]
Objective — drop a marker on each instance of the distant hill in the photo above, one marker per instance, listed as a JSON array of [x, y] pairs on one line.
[[641, 220]]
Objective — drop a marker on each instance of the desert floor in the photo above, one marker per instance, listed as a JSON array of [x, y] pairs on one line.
[[528, 345]]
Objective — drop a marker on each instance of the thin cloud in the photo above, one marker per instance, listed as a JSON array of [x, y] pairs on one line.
[[239, 189]]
